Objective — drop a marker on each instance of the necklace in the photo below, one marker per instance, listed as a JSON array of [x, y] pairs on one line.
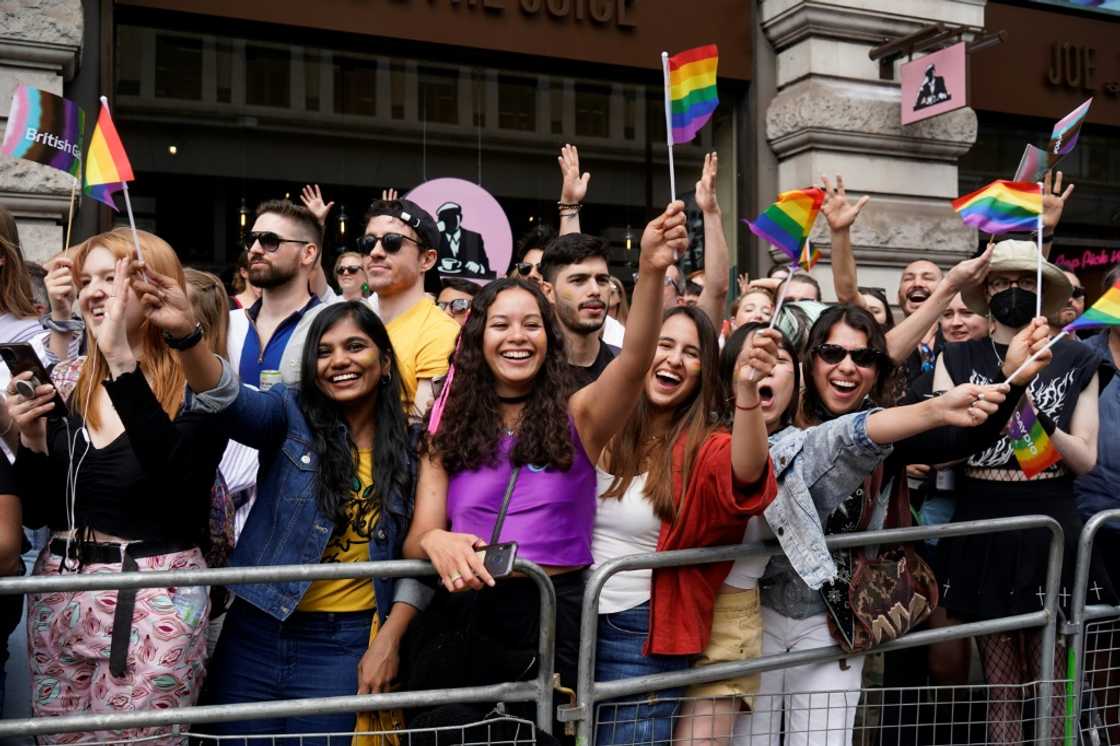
[[995, 350], [515, 399]]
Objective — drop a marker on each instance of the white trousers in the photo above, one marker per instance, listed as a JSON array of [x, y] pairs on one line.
[[818, 700]]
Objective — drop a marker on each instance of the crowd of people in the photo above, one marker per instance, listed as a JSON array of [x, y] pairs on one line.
[[296, 422]]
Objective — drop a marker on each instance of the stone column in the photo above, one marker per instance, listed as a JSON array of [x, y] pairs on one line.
[[40, 41], [832, 114]]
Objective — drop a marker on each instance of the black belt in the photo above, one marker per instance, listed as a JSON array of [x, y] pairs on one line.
[[126, 555]]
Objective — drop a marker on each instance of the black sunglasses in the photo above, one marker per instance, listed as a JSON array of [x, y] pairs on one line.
[[268, 240], [1077, 293], [391, 242], [524, 268], [349, 269], [864, 357], [459, 305]]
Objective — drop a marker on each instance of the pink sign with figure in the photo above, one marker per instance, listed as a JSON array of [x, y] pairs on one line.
[[475, 240], [934, 84]]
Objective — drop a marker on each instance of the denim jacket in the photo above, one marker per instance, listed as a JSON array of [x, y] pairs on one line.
[[285, 525], [817, 469]]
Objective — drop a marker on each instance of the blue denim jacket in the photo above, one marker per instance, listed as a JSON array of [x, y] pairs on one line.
[[817, 469], [285, 525]]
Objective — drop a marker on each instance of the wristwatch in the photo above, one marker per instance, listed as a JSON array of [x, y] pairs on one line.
[[184, 343]]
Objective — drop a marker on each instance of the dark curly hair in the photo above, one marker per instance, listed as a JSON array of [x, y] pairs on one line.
[[471, 428], [338, 456], [885, 390]]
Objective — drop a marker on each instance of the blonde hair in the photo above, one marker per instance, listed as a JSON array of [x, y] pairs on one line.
[[623, 304], [210, 302], [751, 291], [164, 374]]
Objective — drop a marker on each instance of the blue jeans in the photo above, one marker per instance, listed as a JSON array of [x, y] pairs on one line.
[[312, 654], [619, 656]]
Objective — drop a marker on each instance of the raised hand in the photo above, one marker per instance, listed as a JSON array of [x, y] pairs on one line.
[[756, 361], [706, 187], [1053, 200], [1031, 339], [112, 336], [61, 288], [312, 199], [664, 238], [969, 405], [973, 271], [389, 195], [165, 302], [574, 186], [744, 281], [836, 209]]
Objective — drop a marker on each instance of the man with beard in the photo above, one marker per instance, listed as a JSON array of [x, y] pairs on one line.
[[283, 251], [919, 278], [577, 281]]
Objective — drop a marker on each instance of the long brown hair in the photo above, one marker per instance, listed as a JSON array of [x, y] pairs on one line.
[[164, 374], [632, 451], [15, 282], [211, 305]]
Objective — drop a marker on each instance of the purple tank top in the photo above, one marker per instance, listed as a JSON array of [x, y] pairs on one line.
[[551, 513]]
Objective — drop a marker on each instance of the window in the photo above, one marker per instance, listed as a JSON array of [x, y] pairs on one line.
[[556, 106], [178, 67], [223, 64], [478, 97], [397, 89], [630, 114], [312, 69], [517, 103], [268, 73], [130, 60], [593, 110], [355, 85], [439, 95]]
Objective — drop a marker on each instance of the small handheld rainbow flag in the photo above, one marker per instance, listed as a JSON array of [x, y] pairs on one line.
[[787, 223], [1105, 312], [1001, 206], [1030, 442], [107, 166], [692, 90]]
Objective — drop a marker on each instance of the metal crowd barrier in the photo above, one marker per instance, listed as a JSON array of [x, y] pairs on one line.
[[590, 692], [1094, 649], [538, 690]]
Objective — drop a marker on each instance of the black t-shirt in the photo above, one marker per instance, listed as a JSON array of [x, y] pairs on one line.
[[585, 374], [1054, 390]]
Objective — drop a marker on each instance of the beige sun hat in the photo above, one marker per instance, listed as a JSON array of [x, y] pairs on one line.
[[1021, 256]]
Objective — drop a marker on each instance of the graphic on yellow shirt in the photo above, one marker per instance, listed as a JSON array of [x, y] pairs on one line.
[[349, 545]]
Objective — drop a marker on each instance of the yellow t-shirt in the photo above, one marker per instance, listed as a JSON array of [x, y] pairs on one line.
[[423, 339], [352, 545]]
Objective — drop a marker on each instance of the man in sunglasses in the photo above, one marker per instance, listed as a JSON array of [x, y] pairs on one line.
[[1075, 306], [283, 253], [400, 246], [455, 298]]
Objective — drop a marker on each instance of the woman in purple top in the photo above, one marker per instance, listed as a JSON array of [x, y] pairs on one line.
[[510, 405]]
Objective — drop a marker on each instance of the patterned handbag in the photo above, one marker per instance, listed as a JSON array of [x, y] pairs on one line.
[[878, 596]]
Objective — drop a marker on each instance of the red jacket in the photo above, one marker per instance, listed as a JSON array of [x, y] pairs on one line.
[[713, 512]]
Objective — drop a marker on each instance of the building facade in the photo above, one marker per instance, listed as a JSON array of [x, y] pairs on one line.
[[221, 105]]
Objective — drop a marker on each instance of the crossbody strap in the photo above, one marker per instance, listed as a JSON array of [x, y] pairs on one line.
[[496, 533]]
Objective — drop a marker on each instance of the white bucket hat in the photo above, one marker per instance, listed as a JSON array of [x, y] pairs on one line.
[[1021, 256]]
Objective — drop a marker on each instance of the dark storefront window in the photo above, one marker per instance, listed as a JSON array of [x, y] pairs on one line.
[[439, 95], [268, 73], [593, 110], [517, 103], [223, 69], [178, 67], [312, 80], [130, 60], [355, 86]]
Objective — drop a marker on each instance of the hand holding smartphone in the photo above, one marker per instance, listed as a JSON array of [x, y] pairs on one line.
[[498, 559], [20, 358]]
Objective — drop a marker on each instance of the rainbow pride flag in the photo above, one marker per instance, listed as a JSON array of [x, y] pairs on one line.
[[1064, 136], [1105, 312], [1001, 207], [809, 256], [45, 128], [107, 166], [787, 223], [1030, 442], [692, 90]]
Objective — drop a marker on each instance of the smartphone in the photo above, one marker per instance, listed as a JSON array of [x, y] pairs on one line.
[[499, 558], [20, 357]]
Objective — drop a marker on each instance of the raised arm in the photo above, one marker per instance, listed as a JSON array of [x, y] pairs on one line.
[[750, 450], [600, 408], [717, 264], [62, 292], [966, 405], [840, 214], [904, 338], [573, 189]]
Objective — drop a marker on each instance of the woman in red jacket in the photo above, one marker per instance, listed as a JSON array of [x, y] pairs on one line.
[[674, 479]]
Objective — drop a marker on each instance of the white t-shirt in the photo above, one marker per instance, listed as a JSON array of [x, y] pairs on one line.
[[623, 527], [746, 572]]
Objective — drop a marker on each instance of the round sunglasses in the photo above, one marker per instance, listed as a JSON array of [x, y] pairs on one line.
[[390, 242], [864, 357]]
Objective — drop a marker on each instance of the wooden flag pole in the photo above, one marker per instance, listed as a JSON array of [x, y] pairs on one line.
[[1038, 277], [70, 213], [669, 127]]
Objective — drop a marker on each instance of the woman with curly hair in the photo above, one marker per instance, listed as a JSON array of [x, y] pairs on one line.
[[511, 421]]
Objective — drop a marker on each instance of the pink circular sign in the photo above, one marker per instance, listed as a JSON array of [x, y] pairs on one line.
[[475, 238]]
